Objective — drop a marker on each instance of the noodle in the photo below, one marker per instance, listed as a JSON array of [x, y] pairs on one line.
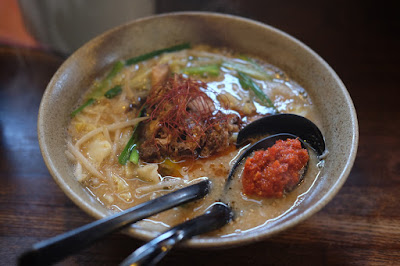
[[70, 156], [78, 172], [158, 186], [111, 127], [106, 134], [82, 159]]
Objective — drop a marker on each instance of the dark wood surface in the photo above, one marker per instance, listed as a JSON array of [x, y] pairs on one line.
[[361, 225]]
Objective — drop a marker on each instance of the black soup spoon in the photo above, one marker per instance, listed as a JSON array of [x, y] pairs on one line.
[[285, 123]]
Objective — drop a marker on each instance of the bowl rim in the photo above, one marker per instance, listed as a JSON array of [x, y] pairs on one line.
[[250, 236]]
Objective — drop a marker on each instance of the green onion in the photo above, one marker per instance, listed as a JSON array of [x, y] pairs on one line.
[[113, 92], [125, 154], [251, 70], [99, 90], [147, 56], [80, 108], [131, 145], [212, 70], [259, 68], [247, 83], [117, 67], [134, 157]]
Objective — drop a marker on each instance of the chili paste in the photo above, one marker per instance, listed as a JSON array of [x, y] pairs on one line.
[[269, 173]]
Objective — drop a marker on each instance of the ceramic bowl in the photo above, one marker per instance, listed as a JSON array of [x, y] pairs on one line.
[[329, 95]]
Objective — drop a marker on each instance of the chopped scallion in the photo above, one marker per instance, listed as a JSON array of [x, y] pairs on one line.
[[212, 70], [134, 157], [80, 108], [251, 70], [102, 86], [126, 153], [140, 58], [99, 90], [131, 146], [113, 92], [248, 83], [117, 67], [259, 68]]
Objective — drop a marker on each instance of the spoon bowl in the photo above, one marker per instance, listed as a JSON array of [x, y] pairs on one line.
[[285, 123], [264, 144]]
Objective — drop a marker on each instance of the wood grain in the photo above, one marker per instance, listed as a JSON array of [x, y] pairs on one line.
[[360, 226]]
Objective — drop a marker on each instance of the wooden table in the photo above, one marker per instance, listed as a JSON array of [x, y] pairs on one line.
[[361, 225]]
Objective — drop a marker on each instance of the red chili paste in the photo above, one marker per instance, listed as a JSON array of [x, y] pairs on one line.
[[270, 172]]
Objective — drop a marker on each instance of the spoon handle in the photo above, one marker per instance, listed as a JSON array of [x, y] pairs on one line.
[[152, 252], [54, 249]]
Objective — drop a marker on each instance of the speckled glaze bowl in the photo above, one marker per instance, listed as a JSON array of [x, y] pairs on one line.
[[337, 113]]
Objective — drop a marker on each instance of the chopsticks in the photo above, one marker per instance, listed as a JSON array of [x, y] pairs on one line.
[[54, 249], [216, 216]]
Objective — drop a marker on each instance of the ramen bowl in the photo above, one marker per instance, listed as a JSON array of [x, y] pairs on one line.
[[337, 115]]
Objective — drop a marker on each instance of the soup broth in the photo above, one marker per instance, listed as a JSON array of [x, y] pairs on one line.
[[131, 101]]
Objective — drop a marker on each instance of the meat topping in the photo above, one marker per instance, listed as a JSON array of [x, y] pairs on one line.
[[184, 122]]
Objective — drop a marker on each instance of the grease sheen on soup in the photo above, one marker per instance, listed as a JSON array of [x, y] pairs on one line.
[[98, 134]]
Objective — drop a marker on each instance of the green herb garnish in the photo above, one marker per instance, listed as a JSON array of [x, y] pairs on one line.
[[250, 69], [248, 83], [131, 146], [80, 108], [212, 70], [113, 92], [140, 58]]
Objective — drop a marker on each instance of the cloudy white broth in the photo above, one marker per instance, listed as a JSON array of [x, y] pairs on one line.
[[167, 119]]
